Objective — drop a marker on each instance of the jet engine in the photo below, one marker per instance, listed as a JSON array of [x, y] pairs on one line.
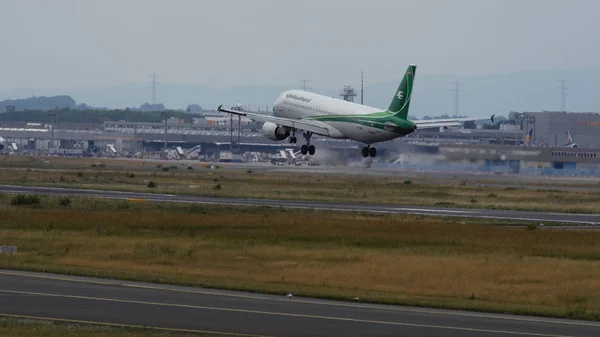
[[274, 131]]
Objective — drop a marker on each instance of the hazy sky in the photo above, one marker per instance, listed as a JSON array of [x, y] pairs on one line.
[[64, 44]]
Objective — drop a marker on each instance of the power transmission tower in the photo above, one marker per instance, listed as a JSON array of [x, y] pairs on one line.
[[304, 81], [457, 91], [563, 95], [154, 76]]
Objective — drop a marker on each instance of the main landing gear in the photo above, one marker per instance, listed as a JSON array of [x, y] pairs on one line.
[[369, 151], [307, 148]]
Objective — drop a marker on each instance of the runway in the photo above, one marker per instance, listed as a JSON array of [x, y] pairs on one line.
[[591, 221], [113, 302]]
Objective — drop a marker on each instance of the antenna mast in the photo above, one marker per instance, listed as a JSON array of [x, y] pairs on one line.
[[362, 88], [456, 95]]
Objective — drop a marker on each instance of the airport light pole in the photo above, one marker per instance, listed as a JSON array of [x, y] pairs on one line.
[[52, 116], [518, 119], [165, 115]]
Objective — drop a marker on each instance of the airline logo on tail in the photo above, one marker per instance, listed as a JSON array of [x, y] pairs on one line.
[[400, 94], [529, 136]]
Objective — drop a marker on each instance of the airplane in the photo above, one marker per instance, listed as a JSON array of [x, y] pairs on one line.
[[570, 141], [311, 113]]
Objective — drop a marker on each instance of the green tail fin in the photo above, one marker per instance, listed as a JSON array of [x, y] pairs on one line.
[[401, 100]]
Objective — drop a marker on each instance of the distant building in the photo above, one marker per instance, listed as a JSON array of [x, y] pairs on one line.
[[550, 128], [510, 127]]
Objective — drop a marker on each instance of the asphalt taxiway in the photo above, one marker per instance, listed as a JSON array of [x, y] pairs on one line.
[[590, 221], [124, 303]]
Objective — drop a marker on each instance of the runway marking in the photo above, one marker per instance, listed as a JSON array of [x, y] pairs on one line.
[[260, 312], [446, 312], [128, 325]]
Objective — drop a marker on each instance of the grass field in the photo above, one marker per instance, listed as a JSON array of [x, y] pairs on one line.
[[135, 176], [382, 258], [10, 327]]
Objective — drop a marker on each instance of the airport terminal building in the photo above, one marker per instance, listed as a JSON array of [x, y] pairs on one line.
[[549, 128], [493, 149]]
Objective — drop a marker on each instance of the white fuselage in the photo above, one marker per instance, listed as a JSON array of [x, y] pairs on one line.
[[299, 104]]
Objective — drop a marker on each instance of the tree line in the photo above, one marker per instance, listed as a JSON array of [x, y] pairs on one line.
[[91, 116]]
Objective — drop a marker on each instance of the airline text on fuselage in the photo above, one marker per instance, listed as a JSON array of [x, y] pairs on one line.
[[300, 98]]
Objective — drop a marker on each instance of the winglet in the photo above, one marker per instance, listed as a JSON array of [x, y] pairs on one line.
[[493, 118], [219, 108]]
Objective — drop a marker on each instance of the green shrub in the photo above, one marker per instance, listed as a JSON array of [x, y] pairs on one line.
[[22, 199], [64, 201]]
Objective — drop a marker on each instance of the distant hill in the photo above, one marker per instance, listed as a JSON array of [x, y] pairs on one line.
[[90, 116], [39, 103], [433, 94]]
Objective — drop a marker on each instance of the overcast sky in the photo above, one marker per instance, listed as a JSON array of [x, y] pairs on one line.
[[64, 44]]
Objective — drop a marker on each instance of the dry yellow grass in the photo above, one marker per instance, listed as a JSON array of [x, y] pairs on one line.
[[389, 258], [300, 186]]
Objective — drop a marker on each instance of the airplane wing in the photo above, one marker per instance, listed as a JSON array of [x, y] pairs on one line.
[[316, 127], [436, 123]]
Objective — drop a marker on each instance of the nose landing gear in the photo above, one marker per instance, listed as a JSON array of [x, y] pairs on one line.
[[293, 138]]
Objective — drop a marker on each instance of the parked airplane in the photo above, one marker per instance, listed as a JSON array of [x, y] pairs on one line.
[[529, 137], [298, 110], [570, 142]]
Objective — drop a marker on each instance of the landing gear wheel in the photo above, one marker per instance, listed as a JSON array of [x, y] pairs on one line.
[[304, 149], [293, 140], [372, 152], [365, 151], [311, 150]]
